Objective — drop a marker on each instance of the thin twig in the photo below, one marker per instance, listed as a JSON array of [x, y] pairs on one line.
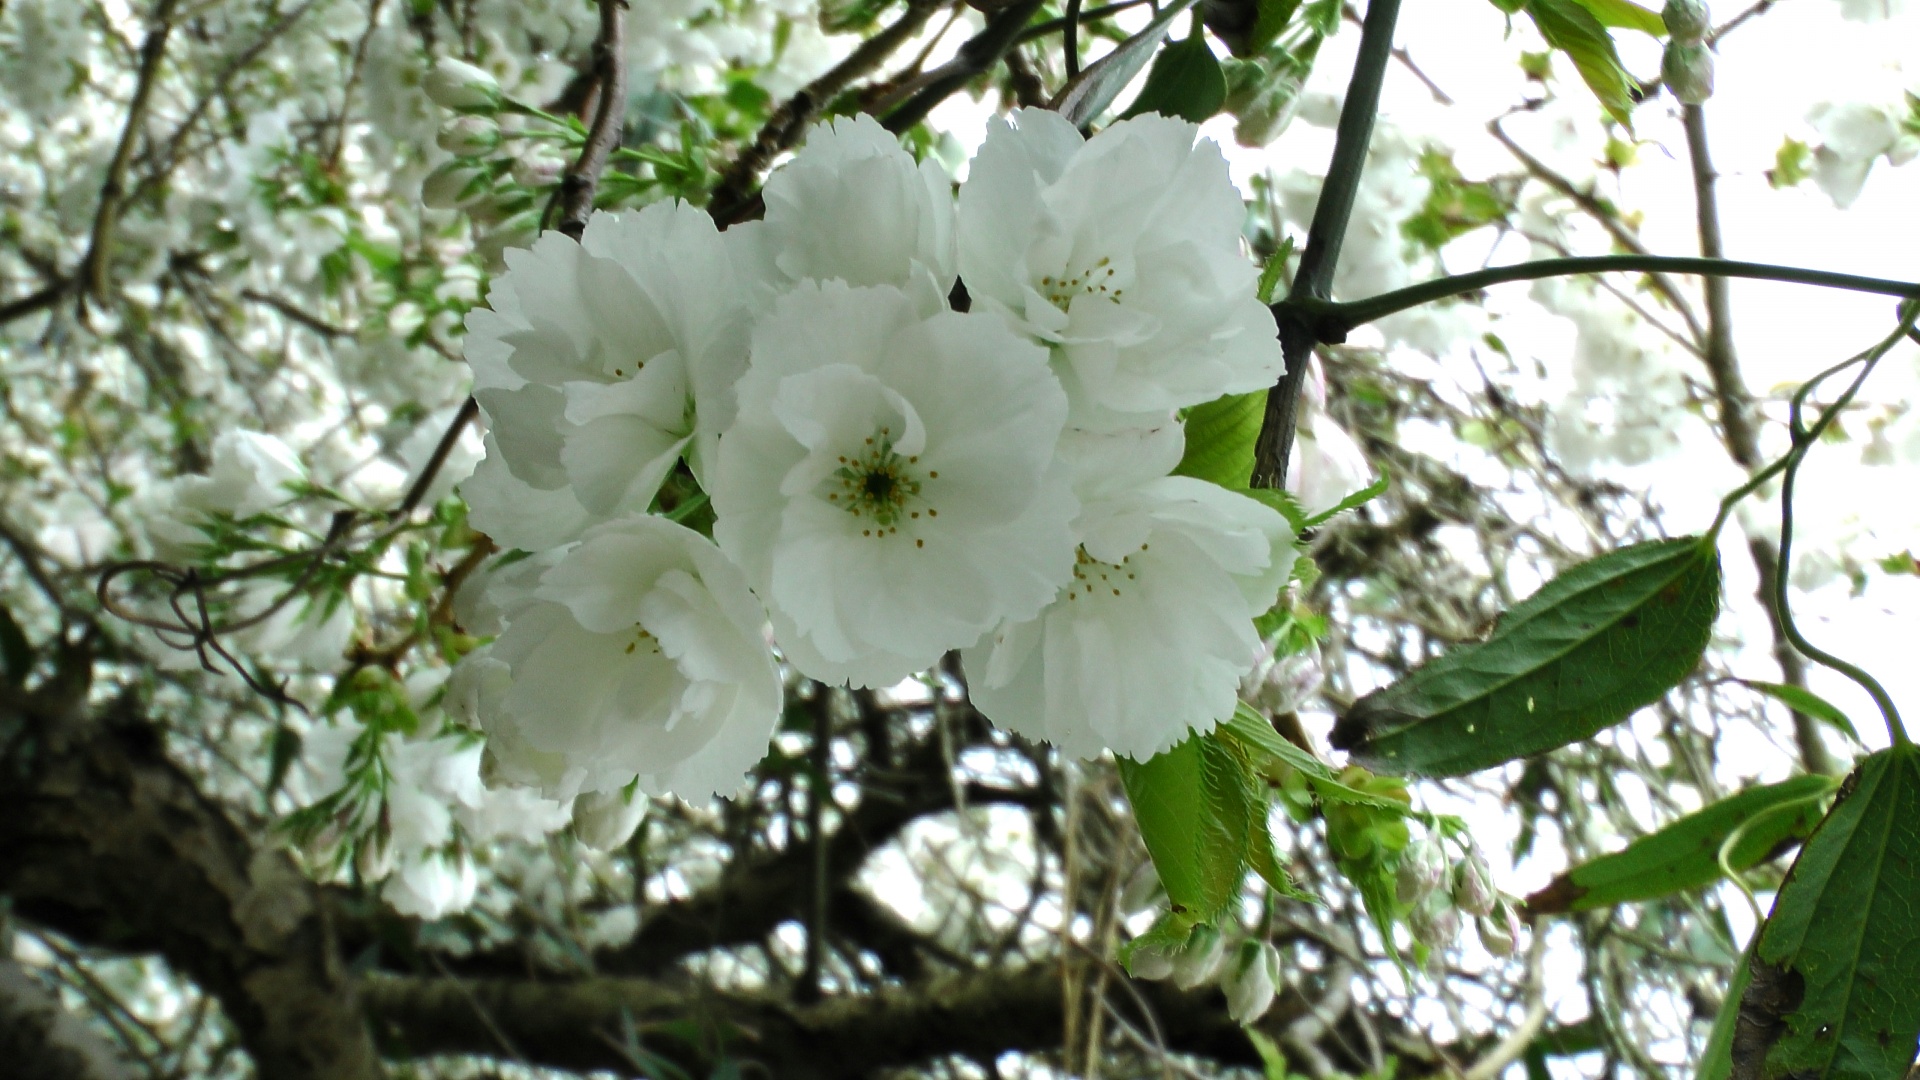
[[976, 57], [610, 108], [92, 275], [418, 490], [1737, 429], [732, 199], [170, 155], [1608, 220]]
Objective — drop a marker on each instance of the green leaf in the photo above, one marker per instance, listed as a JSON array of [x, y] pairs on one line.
[[1580, 655], [1573, 30], [1837, 964], [1359, 498], [1220, 439], [1090, 92], [15, 653], [1626, 15], [1254, 733], [1272, 17], [1716, 1061], [1686, 854], [1802, 700], [1196, 804], [1185, 81]]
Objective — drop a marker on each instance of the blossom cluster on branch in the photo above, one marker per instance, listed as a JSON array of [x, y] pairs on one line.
[[892, 476]]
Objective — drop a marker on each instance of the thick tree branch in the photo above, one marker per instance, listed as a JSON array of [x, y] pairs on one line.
[[104, 839], [1314, 280], [578, 1024], [609, 115]]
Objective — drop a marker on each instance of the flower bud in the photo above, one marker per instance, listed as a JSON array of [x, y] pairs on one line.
[[516, 232], [452, 185], [1500, 931], [1688, 71], [1150, 962], [1279, 684], [1435, 922], [456, 84], [1423, 870], [469, 136], [1199, 958], [375, 858], [603, 820], [1142, 890], [1473, 885], [1266, 117], [537, 172], [1249, 980], [1688, 22]]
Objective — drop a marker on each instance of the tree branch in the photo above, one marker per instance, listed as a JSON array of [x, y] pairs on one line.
[[976, 57], [1737, 429], [105, 840], [733, 198], [1330, 322], [578, 1024], [609, 114], [92, 275], [1314, 281], [1608, 220]]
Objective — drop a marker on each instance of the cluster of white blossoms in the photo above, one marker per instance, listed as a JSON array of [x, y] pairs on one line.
[[891, 479]]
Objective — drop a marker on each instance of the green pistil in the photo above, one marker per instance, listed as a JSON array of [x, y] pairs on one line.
[[877, 486]]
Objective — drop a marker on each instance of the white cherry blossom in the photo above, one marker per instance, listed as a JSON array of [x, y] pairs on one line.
[[640, 653], [890, 487], [853, 206], [1123, 253], [1155, 631], [594, 366]]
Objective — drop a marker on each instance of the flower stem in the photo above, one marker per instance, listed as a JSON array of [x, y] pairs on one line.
[[1314, 281]]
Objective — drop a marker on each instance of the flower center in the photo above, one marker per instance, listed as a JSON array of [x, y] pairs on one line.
[[1096, 281], [1093, 577], [879, 486], [643, 640]]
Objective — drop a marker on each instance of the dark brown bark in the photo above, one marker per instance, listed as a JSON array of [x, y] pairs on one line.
[[105, 839]]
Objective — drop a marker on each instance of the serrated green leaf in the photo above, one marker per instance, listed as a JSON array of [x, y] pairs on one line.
[[1580, 655], [1220, 439], [1686, 854], [15, 653], [1626, 15], [1257, 736], [1195, 805], [1573, 30], [1090, 92], [1359, 498], [1185, 81], [1835, 989], [1802, 700]]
